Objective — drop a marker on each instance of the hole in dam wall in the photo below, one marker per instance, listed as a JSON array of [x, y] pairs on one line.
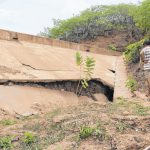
[[94, 87]]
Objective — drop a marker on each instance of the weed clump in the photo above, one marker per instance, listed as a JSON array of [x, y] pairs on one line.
[[28, 138], [6, 142], [7, 122], [85, 132], [131, 84]]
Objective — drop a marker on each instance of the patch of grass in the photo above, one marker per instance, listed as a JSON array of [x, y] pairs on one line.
[[141, 110], [85, 132], [33, 146], [121, 126], [99, 132], [131, 84], [122, 104], [28, 138], [7, 122], [6, 142], [54, 138], [117, 104]]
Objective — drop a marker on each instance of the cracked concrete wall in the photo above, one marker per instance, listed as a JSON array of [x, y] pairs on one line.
[[10, 35]]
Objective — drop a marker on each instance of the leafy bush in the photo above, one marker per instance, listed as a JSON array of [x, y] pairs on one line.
[[132, 53], [131, 84], [28, 138], [6, 142]]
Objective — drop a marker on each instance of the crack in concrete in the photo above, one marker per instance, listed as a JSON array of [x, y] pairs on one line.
[[42, 69]]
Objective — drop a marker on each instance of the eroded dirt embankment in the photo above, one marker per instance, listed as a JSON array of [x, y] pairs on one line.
[[95, 87]]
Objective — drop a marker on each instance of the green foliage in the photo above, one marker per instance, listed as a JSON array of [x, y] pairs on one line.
[[142, 17], [6, 142], [98, 132], [85, 132], [88, 67], [131, 84], [28, 138], [112, 47], [132, 53], [113, 16], [79, 59], [7, 122]]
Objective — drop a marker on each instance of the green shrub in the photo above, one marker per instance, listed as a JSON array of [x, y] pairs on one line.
[[131, 84], [85, 132], [132, 53], [6, 142], [112, 47], [28, 138]]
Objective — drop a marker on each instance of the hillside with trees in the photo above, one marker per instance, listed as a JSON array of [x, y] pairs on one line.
[[104, 20]]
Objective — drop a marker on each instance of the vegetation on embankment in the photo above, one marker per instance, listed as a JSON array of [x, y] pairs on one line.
[[132, 59], [103, 20]]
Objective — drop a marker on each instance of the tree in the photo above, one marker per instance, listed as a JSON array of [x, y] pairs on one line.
[[142, 16], [86, 70]]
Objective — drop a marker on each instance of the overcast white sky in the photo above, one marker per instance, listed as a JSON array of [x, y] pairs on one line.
[[31, 16]]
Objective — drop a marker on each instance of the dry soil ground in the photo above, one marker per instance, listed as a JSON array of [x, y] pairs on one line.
[[101, 125]]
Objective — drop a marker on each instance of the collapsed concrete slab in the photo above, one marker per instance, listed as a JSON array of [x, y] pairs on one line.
[[31, 62], [22, 61]]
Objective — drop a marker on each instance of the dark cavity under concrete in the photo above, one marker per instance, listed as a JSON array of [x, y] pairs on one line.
[[94, 87]]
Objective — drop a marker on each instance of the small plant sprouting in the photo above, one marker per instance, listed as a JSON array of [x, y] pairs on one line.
[[28, 138], [86, 67], [85, 132]]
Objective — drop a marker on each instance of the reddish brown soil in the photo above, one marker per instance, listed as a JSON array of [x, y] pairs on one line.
[[138, 74], [119, 40]]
